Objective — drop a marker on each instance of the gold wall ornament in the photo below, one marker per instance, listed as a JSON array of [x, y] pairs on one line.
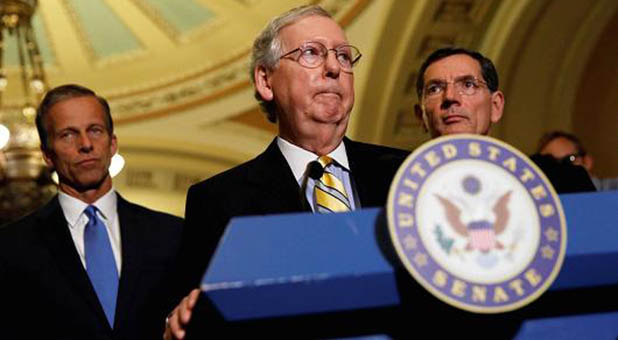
[[24, 180]]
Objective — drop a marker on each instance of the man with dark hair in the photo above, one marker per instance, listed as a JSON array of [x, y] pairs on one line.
[[89, 264], [488, 70], [302, 70], [458, 93], [66, 92], [566, 148]]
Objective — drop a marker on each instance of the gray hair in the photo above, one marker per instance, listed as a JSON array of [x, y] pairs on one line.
[[267, 48]]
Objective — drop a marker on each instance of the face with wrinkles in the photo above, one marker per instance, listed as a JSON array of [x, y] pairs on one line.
[[452, 112], [80, 145], [309, 100]]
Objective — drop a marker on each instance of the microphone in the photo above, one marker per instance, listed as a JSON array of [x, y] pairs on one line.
[[315, 170]]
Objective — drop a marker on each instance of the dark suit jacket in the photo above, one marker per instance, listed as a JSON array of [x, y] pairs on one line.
[[45, 291], [266, 185], [564, 177]]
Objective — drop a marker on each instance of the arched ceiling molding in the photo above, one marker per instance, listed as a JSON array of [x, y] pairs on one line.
[[159, 178], [208, 129], [412, 30], [506, 20], [365, 32], [196, 132], [142, 69], [404, 20], [200, 86], [512, 23], [595, 118], [541, 48], [222, 157], [564, 95]]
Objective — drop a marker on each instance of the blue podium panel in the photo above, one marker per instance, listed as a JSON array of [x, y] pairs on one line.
[[270, 266], [602, 326], [299, 263], [592, 241]]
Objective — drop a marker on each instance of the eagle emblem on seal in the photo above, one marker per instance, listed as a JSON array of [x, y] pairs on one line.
[[481, 234]]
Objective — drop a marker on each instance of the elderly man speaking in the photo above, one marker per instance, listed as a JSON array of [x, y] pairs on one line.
[[302, 70]]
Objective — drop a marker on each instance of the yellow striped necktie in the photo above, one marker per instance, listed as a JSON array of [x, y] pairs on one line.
[[329, 193]]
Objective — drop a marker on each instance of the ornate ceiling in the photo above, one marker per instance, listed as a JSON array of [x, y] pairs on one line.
[[153, 57], [176, 73]]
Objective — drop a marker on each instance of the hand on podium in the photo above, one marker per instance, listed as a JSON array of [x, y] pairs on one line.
[[177, 321]]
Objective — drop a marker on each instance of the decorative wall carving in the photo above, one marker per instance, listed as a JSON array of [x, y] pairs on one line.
[[455, 22]]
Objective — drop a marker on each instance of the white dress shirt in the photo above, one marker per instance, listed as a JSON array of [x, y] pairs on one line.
[[298, 159], [73, 210]]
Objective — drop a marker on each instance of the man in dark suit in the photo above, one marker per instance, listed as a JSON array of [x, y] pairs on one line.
[[302, 70], [89, 264]]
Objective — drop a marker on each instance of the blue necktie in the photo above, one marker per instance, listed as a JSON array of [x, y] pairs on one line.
[[100, 263]]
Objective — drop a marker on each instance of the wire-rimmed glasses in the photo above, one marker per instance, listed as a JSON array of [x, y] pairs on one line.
[[313, 54], [467, 86]]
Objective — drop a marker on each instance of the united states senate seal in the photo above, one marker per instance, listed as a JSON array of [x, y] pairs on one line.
[[476, 223]]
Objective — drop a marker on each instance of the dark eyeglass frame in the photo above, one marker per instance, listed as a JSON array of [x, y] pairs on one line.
[[459, 83], [303, 57]]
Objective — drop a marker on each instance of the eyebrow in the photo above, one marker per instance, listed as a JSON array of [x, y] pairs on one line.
[[464, 77], [326, 43], [75, 128], [67, 128]]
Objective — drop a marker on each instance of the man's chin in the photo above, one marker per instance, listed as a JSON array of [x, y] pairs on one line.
[[454, 129], [331, 114], [86, 183]]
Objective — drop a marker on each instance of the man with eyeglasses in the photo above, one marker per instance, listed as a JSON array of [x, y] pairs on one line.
[[302, 70], [458, 93]]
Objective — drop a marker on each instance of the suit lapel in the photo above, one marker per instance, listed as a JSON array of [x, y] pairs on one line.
[[54, 230], [363, 174], [130, 234], [356, 169], [275, 181]]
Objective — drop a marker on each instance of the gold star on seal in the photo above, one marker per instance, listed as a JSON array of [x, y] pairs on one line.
[[409, 242], [547, 252], [551, 234], [420, 259]]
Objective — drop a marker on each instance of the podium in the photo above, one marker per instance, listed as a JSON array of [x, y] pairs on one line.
[[340, 271]]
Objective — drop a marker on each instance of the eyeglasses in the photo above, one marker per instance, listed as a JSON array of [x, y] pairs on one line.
[[313, 54], [467, 86]]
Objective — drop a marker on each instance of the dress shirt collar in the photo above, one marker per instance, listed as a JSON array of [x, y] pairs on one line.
[[73, 208], [298, 158]]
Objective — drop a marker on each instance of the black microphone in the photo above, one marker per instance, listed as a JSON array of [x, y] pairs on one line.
[[315, 170]]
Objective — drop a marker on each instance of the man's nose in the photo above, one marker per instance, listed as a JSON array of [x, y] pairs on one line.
[[332, 68], [451, 92], [85, 144], [450, 97]]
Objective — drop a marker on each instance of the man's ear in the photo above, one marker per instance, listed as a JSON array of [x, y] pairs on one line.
[[47, 156], [419, 113], [114, 144], [587, 162], [262, 83], [497, 106]]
